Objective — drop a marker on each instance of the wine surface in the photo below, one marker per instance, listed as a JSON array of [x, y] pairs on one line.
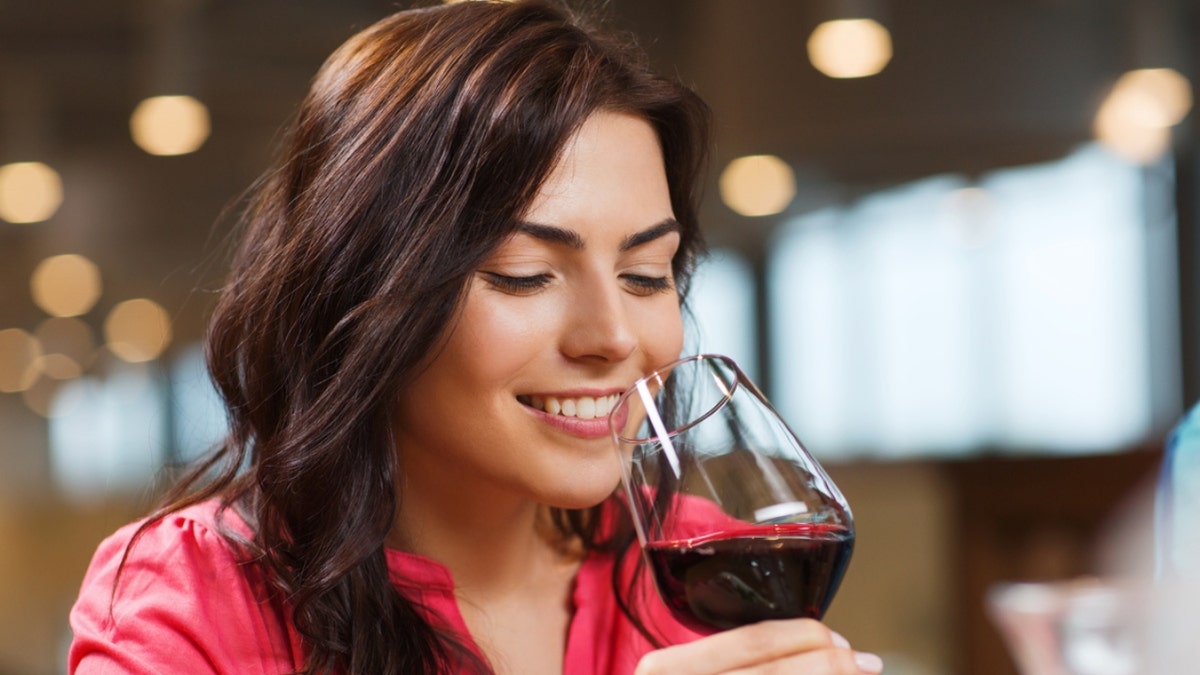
[[733, 578]]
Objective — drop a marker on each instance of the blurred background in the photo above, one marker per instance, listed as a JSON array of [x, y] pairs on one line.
[[956, 242]]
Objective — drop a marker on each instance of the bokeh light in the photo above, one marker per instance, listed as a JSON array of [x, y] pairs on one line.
[[848, 48], [19, 352], [1134, 121], [170, 125], [757, 185], [58, 366], [65, 285], [68, 337], [1160, 97], [30, 192], [137, 330], [39, 397]]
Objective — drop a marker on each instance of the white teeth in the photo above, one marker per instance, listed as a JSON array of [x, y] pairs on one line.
[[604, 405], [586, 409], [583, 407]]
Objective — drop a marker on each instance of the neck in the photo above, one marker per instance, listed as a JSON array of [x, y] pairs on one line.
[[512, 571], [494, 543]]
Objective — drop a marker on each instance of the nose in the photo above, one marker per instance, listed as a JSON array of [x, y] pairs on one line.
[[599, 327]]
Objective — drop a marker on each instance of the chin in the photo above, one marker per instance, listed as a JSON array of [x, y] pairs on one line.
[[583, 492]]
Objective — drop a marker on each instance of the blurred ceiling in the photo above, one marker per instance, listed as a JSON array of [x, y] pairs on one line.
[[974, 84]]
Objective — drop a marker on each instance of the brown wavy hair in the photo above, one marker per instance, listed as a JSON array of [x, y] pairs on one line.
[[421, 142]]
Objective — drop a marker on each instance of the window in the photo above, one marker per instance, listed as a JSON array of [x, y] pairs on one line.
[[108, 435], [722, 305], [940, 317]]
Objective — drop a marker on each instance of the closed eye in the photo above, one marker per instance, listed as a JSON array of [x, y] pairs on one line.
[[516, 284], [644, 285]]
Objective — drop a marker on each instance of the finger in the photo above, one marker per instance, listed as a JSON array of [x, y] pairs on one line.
[[738, 648], [835, 661]]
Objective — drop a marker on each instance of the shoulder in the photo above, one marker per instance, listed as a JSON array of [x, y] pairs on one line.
[[176, 538], [176, 594], [180, 553]]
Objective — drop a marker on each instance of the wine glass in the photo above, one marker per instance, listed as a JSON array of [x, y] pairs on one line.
[[737, 521]]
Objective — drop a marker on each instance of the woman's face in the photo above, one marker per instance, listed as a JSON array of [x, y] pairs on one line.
[[565, 315]]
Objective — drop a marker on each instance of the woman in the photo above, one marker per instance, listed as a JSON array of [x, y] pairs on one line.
[[479, 233]]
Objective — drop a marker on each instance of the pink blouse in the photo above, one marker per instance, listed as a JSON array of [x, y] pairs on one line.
[[187, 604]]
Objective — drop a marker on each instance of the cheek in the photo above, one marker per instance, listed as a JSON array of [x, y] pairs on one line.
[[498, 335], [489, 344], [661, 330]]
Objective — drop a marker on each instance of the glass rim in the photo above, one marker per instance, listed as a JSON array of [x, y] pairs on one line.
[[655, 374]]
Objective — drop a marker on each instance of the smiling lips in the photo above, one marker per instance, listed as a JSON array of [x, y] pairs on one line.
[[579, 407]]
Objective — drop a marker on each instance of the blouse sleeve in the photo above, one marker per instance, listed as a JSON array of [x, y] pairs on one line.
[[184, 604]]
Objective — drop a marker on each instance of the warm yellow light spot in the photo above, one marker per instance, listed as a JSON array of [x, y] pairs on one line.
[[19, 352], [30, 192], [1135, 119], [68, 337], [1117, 128], [59, 366], [40, 397], [847, 48], [65, 285], [137, 330], [170, 125], [1160, 97], [757, 185]]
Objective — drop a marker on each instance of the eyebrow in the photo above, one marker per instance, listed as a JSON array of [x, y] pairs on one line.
[[650, 234], [558, 235]]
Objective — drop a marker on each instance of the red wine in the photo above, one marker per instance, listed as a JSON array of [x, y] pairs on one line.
[[733, 578]]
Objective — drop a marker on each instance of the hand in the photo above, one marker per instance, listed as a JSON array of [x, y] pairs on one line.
[[799, 646]]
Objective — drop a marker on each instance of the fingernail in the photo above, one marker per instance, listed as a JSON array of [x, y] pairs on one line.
[[868, 663], [838, 640]]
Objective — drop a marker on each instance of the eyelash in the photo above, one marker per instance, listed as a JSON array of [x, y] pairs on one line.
[[647, 285], [517, 284]]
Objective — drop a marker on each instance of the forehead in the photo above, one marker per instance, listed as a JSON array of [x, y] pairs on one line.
[[610, 171]]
